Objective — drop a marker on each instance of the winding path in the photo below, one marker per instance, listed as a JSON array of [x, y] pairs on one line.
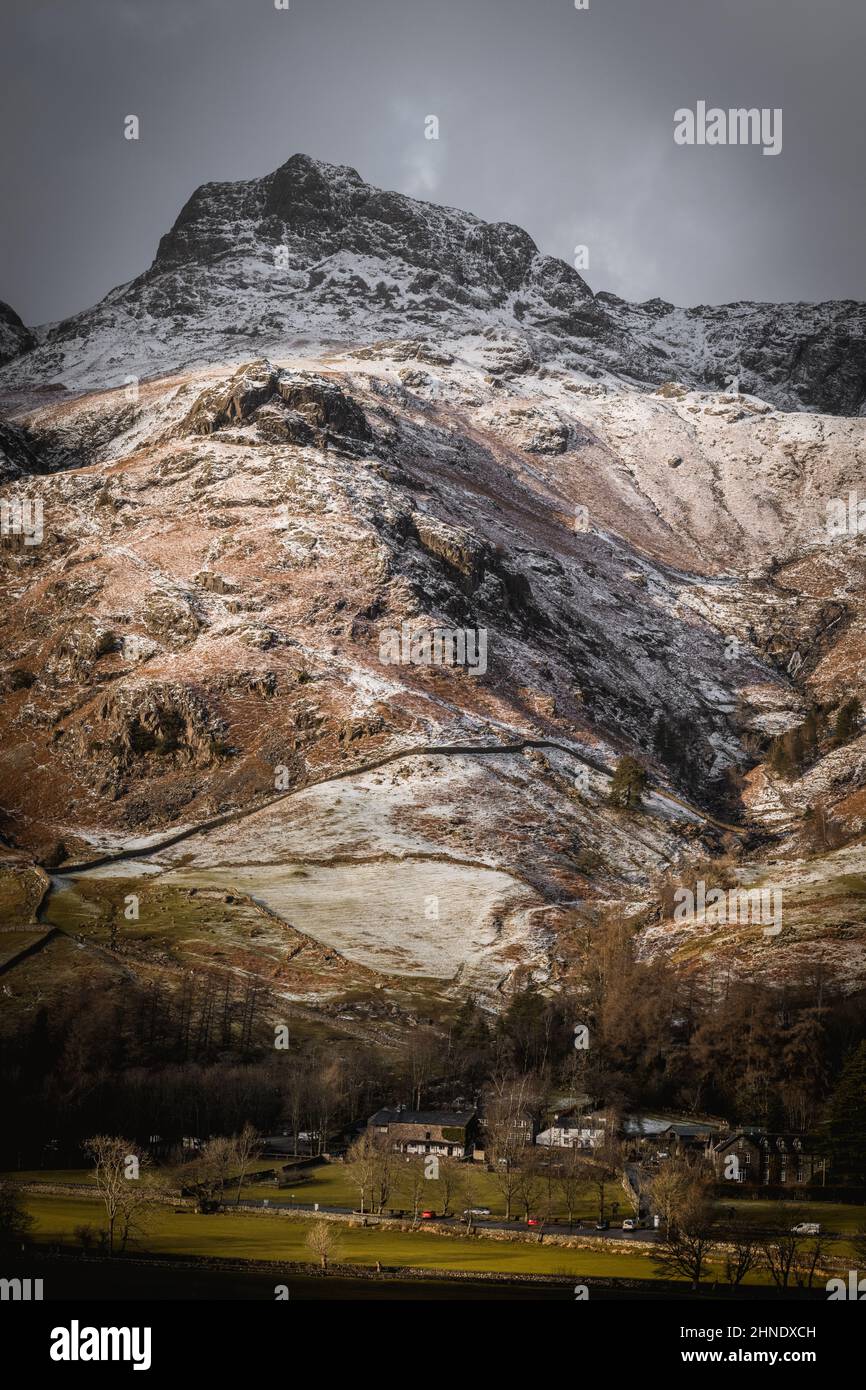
[[421, 750]]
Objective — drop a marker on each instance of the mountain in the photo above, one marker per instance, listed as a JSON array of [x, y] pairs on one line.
[[419, 423], [312, 253]]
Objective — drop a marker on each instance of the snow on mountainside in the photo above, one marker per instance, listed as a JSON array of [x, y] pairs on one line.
[[223, 556], [312, 253], [357, 411]]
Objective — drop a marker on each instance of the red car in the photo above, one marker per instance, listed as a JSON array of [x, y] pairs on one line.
[[533, 1221], [428, 1216]]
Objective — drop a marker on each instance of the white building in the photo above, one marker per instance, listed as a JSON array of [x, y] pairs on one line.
[[573, 1132]]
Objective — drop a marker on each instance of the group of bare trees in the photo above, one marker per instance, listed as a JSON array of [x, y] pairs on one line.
[[128, 1185], [211, 1173], [385, 1179], [530, 1178], [696, 1235]]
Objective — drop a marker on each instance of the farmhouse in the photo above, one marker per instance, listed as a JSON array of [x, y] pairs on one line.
[[754, 1156], [447, 1132], [573, 1130], [511, 1130]]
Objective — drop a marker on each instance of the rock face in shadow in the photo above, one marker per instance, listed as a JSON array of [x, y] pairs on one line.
[[17, 455], [15, 337]]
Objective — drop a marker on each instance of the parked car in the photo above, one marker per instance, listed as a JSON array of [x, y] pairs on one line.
[[807, 1228]]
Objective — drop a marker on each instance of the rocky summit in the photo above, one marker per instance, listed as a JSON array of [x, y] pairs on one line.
[[326, 441], [313, 254]]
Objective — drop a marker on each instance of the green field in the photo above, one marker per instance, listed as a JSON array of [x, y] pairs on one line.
[[833, 1216], [246, 1236], [331, 1186], [243, 1236]]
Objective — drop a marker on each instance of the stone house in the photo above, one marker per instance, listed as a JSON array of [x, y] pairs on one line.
[[447, 1132]]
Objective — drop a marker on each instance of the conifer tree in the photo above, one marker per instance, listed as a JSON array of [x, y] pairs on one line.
[[846, 1135], [628, 783]]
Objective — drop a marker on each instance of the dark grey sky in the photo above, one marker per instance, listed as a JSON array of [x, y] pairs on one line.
[[556, 119]]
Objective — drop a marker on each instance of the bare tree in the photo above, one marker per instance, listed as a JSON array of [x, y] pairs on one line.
[[119, 1168], [453, 1183], [571, 1179], [780, 1248], [414, 1181], [360, 1165], [688, 1241], [246, 1145], [424, 1054], [323, 1239], [676, 1188], [372, 1168], [606, 1163], [530, 1182], [295, 1088], [207, 1173], [597, 1175], [328, 1090], [384, 1172], [811, 1261], [505, 1114], [742, 1255]]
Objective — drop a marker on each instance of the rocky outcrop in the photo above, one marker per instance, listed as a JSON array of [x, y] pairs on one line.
[[161, 721], [286, 408], [799, 356], [172, 618]]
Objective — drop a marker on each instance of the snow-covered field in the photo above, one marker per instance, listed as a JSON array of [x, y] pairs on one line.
[[412, 918]]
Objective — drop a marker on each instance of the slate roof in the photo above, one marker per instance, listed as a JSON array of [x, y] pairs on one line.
[[456, 1119]]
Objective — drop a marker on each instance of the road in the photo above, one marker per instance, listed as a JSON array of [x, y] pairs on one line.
[[586, 1228]]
